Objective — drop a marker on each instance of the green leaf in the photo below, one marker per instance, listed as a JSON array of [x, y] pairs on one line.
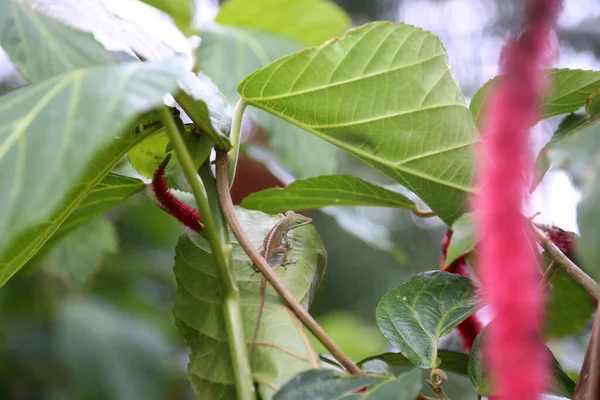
[[78, 256], [570, 307], [52, 131], [41, 47], [401, 128], [561, 385], [182, 12], [323, 191], [570, 124], [244, 51], [279, 353], [451, 361], [568, 91], [308, 21], [578, 154], [415, 315], [592, 104], [463, 238], [325, 385], [111, 355]]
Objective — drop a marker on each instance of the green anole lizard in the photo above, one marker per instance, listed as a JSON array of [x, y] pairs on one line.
[[276, 242]]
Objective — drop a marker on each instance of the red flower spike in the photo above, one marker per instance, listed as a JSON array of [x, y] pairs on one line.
[[185, 214], [515, 353], [470, 327]]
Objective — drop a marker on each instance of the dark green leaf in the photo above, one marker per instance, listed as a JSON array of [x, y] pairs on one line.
[[323, 191], [111, 355], [414, 127], [562, 385], [279, 353], [182, 12], [592, 105], [78, 256], [570, 307], [41, 168], [227, 55], [569, 89], [450, 361], [308, 21], [579, 154], [326, 385], [463, 238], [41, 47], [415, 315]]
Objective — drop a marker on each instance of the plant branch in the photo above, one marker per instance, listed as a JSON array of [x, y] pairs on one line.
[[235, 137], [567, 265], [222, 163], [221, 250], [589, 377], [550, 271]]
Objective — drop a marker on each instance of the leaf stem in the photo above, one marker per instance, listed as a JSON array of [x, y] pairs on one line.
[[222, 163], [569, 266], [221, 250], [235, 137], [423, 213], [550, 271]]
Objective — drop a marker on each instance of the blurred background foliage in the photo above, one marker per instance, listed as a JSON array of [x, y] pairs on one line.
[[91, 319]]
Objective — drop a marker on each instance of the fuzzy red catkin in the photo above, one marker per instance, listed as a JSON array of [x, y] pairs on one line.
[[470, 327], [185, 214], [515, 353]]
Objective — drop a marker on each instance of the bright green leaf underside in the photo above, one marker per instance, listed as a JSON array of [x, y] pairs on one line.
[[415, 315], [384, 92], [308, 21], [41, 167], [280, 351], [323, 191]]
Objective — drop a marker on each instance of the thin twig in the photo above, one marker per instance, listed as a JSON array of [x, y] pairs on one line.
[[231, 298], [589, 376], [550, 271], [222, 167], [567, 265]]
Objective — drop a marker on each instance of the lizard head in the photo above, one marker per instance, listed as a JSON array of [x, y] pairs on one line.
[[298, 219]]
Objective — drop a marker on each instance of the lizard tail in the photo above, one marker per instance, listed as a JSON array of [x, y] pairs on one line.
[[261, 304]]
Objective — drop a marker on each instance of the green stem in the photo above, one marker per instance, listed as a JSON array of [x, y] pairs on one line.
[[221, 250], [235, 137]]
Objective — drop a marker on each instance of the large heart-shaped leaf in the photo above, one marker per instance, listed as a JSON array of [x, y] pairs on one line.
[[323, 191], [568, 91], [41, 47], [415, 315], [385, 93], [51, 132], [308, 21], [227, 55], [279, 352], [561, 385], [326, 385]]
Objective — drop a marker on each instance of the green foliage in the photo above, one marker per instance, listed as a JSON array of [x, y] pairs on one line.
[[578, 154], [80, 253], [323, 191], [450, 361], [325, 385], [415, 315], [227, 55], [561, 384], [463, 238], [322, 91], [279, 353], [182, 12], [568, 91], [308, 21]]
